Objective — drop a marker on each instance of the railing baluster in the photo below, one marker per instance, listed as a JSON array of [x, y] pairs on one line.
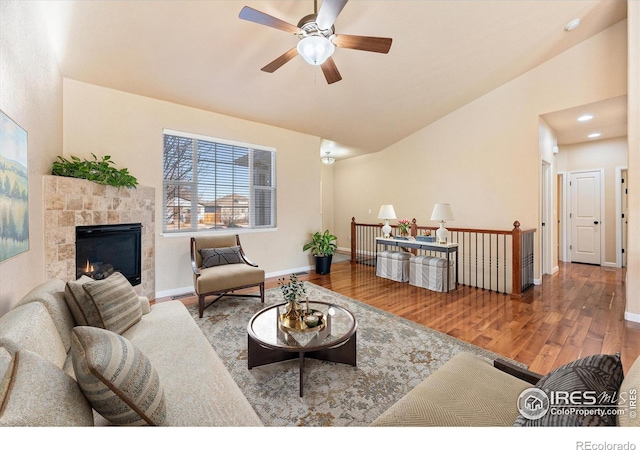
[[476, 264], [490, 263], [504, 244]]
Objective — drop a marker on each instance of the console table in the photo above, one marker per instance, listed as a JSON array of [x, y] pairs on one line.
[[448, 249]]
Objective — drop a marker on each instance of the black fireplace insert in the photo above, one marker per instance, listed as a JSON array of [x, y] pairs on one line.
[[104, 249]]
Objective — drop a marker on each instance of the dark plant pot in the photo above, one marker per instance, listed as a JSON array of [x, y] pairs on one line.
[[323, 264]]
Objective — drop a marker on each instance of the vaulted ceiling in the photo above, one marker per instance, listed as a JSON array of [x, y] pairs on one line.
[[199, 53]]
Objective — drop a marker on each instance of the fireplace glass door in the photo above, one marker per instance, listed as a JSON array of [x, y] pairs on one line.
[[104, 249]]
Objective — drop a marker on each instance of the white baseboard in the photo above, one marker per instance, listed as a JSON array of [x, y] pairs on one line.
[[610, 264], [555, 270], [344, 250], [189, 289], [177, 291], [288, 271], [537, 281], [632, 317]]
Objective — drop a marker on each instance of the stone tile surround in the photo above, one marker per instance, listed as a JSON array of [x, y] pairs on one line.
[[71, 202]]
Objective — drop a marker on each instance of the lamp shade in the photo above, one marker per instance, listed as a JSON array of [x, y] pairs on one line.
[[315, 49], [442, 211], [387, 212]]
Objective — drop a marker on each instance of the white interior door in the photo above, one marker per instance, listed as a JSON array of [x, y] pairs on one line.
[[586, 221]]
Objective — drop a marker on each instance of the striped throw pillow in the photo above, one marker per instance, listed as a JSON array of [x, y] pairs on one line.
[[117, 378], [115, 300], [80, 306]]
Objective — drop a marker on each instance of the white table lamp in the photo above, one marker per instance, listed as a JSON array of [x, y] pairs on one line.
[[442, 212], [386, 213]]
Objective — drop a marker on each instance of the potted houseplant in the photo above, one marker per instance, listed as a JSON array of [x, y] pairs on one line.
[[322, 246]]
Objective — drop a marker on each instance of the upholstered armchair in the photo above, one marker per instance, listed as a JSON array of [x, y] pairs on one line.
[[220, 267]]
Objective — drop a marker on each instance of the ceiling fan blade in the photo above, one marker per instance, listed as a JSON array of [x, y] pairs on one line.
[[253, 15], [366, 43], [328, 13], [280, 61], [331, 71]]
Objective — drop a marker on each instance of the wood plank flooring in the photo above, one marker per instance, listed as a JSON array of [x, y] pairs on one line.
[[576, 312]]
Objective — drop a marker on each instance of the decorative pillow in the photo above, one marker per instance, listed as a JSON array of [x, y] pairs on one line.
[[595, 383], [116, 303], [117, 378], [220, 256], [6, 369], [35, 392], [81, 307]]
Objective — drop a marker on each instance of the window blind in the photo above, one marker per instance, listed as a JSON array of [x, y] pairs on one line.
[[214, 184]]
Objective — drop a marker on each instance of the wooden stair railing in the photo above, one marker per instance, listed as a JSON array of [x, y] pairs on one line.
[[483, 254]]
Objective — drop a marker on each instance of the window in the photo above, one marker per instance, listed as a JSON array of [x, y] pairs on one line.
[[212, 184]]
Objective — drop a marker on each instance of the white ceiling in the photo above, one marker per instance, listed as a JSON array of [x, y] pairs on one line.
[[609, 119], [199, 53]]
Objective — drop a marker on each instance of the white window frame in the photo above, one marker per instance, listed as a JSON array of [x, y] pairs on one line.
[[194, 184]]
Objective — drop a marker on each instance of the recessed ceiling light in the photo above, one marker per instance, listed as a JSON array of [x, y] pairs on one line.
[[585, 117], [594, 135], [572, 25]]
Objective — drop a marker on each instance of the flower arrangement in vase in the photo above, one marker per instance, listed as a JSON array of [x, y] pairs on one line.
[[292, 291], [404, 225]]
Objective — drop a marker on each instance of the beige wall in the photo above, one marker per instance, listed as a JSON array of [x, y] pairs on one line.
[[129, 128], [633, 258], [607, 154], [483, 158], [327, 198], [31, 95]]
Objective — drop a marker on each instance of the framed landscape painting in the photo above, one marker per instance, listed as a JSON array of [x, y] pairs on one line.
[[14, 198]]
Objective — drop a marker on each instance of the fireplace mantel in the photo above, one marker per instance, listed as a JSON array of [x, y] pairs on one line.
[[71, 202]]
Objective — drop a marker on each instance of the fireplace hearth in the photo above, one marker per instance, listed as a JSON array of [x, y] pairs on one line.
[[104, 249]]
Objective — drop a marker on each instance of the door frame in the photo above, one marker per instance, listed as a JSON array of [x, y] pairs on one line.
[[603, 223], [563, 211], [546, 215], [619, 171]]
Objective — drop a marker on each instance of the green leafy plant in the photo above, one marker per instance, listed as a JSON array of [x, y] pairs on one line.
[[292, 290], [321, 244], [100, 171]]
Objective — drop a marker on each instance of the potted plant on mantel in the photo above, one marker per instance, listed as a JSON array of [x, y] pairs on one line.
[[323, 247]]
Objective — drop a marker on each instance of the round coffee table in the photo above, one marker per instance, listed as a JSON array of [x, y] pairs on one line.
[[268, 342]]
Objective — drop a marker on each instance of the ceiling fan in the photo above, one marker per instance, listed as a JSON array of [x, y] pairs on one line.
[[317, 38]]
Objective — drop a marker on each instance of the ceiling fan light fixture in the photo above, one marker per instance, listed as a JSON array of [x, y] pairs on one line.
[[315, 49]]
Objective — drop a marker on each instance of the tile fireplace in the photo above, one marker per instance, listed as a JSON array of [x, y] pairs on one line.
[[72, 203]]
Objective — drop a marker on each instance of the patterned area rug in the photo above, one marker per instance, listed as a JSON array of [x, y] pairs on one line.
[[393, 356]]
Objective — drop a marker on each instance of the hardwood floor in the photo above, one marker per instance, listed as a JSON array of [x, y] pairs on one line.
[[576, 312]]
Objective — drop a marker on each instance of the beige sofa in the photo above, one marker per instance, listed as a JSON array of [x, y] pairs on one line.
[[470, 391], [37, 380]]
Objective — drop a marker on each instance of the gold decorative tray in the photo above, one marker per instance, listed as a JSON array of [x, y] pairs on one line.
[[300, 326]]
